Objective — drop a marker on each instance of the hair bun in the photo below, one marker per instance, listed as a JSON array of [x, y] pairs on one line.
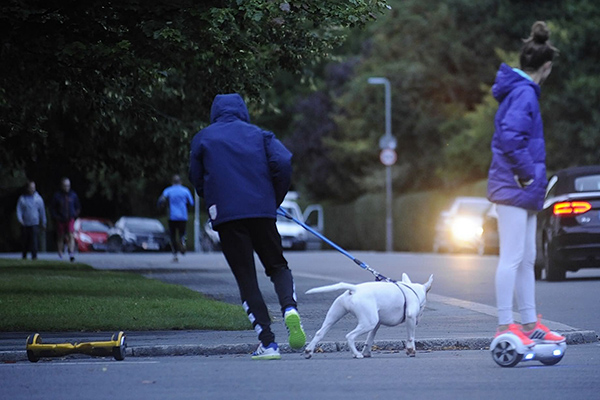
[[540, 32]]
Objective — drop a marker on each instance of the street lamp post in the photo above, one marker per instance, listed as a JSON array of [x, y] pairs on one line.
[[387, 144]]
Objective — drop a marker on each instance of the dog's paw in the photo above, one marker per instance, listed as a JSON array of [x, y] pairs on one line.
[[411, 352], [307, 354], [359, 356]]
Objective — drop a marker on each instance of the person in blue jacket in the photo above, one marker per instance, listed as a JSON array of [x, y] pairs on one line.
[[517, 183], [178, 198], [243, 174]]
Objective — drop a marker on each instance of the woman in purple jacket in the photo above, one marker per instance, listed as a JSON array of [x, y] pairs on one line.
[[517, 183]]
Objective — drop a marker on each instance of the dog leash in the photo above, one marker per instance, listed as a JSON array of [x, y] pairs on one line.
[[378, 276]]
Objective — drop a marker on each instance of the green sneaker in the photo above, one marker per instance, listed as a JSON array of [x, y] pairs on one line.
[[297, 337], [271, 352]]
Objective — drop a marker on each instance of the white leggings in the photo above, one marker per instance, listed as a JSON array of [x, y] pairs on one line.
[[515, 275]]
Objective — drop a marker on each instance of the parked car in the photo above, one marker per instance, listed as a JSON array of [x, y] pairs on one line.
[[293, 236], [90, 234], [568, 230], [138, 234], [461, 226]]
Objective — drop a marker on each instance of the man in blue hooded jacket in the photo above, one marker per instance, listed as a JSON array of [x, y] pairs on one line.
[[243, 173]]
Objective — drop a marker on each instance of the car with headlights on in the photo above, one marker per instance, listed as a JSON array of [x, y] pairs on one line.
[[568, 229], [138, 234], [460, 228], [91, 234]]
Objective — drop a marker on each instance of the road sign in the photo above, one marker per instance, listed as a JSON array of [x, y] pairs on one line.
[[387, 142], [388, 157]]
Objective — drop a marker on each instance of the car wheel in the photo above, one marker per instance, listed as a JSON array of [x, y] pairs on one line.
[[114, 245], [554, 272]]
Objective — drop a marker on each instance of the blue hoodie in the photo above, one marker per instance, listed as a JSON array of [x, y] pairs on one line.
[[518, 146], [239, 169]]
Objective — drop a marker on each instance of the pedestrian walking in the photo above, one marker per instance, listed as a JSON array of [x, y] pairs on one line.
[[177, 198], [65, 207], [243, 173], [517, 184], [31, 213]]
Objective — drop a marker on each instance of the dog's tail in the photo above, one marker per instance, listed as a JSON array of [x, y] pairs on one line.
[[332, 288]]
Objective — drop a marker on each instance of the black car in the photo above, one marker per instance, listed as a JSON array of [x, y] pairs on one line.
[[568, 231], [137, 234]]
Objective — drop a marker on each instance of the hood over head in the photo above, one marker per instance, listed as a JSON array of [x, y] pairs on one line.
[[229, 107], [507, 79]]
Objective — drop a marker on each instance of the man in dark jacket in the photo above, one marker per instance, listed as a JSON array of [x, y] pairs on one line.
[[243, 173], [65, 207]]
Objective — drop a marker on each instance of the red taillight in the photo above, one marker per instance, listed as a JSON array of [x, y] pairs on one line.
[[570, 208]]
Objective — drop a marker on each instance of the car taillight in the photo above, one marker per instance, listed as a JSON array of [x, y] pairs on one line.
[[570, 208]]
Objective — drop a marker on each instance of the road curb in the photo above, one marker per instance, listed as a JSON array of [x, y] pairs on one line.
[[481, 343]]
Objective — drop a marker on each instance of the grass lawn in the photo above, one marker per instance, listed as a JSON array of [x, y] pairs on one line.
[[46, 296]]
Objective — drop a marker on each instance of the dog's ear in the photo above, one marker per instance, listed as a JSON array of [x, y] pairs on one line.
[[428, 284], [405, 278]]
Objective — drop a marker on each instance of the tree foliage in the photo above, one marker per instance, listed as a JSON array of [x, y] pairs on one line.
[[111, 92], [441, 59]]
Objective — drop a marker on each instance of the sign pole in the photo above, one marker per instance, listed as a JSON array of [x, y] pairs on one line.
[[388, 157]]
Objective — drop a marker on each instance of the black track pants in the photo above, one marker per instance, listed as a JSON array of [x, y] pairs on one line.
[[29, 240], [177, 228], [239, 240]]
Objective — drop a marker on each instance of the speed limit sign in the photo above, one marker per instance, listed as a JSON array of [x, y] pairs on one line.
[[388, 157]]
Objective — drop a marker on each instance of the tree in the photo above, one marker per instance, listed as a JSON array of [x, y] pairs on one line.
[[110, 93], [121, 87], [438, 57], [435, 67]]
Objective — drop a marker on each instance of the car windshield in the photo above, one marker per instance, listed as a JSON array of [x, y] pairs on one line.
[[590, 183], [94, 226], [472, 208], [144, 225], [289, 210]]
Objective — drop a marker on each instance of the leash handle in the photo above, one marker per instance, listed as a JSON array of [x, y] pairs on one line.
[[361, 264]]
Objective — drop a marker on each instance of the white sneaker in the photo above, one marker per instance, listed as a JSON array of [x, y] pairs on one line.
[[271, 352]]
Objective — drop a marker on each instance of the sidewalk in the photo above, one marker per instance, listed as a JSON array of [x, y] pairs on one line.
[[447, 323], [444, 327]]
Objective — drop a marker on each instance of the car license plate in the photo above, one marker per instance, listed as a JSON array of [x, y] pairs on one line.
[[286, 243], [152, 246]]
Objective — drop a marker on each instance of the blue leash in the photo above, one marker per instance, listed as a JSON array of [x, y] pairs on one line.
[[361, 264]]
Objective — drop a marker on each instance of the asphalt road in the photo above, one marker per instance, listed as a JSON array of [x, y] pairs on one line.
[[438, 375], [462, 279]]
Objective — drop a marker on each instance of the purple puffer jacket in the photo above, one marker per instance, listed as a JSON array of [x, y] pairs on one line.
[[518, 143]]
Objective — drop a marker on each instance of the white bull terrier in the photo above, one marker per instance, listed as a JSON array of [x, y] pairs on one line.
[[374, 304]]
